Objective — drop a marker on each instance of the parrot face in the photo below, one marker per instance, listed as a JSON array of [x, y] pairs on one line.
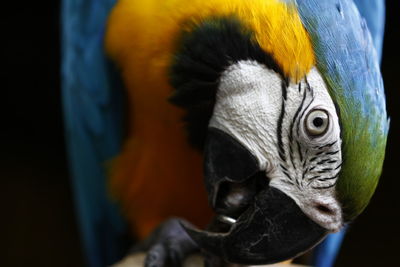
[[290, 130], [271, 142]]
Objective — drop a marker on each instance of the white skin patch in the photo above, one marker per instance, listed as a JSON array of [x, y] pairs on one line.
[[293, 131]]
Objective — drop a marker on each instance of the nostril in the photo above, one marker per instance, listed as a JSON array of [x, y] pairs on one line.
[[324, 209]]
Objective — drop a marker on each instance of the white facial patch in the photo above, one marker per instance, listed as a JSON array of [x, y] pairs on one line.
[[293, 131]]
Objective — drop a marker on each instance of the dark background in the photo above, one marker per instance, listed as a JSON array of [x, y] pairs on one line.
[[37, 223]]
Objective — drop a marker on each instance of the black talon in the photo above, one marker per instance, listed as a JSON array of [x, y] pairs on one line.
[[168, 246], [156, 256]]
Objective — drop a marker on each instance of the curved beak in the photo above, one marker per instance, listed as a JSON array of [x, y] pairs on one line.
[[269, 228]]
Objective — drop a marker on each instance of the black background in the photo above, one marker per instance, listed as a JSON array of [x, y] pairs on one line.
[[37, 221]]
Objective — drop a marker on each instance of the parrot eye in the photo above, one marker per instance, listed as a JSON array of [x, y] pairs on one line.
[[317, 122]]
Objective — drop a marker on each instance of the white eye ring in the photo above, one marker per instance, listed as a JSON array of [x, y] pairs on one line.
[[317, 122]]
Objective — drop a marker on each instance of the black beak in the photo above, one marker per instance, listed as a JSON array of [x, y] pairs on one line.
[[270, 227]]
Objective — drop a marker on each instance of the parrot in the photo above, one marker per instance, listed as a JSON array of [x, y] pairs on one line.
[[262, 122]]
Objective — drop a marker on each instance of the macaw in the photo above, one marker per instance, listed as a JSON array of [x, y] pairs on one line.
[[279, 105]]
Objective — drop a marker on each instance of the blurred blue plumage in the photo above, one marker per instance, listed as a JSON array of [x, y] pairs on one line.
[[93, 123]]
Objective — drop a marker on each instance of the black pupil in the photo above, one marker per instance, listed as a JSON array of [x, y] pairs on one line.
[[318, 122]]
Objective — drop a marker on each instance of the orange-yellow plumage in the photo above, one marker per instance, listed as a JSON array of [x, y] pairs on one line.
[[159, 174]]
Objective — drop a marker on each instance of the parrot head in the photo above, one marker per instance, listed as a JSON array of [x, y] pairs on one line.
[[293, 128]]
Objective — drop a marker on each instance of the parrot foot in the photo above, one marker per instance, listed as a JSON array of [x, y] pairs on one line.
[[169, 245]]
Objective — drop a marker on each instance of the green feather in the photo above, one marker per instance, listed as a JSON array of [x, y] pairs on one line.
[[363, 152]]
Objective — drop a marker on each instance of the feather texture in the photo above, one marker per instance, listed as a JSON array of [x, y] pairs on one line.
[[93, 117], [348, 61], [276, 26], [373, 11], [346, 55]]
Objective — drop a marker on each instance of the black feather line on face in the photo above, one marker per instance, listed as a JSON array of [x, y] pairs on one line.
[[203, 53]]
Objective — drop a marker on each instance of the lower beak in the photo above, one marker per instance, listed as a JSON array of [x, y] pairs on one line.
[[271, 230]]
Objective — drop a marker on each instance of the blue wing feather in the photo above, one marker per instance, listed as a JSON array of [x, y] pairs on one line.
[[93, 122], [373, 11]]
